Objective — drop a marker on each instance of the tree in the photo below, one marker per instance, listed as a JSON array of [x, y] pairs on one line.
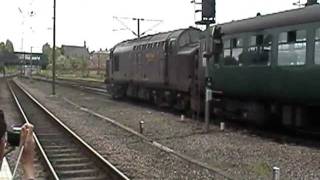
[[7, 53], [46, 49], [2, 47], [9, 46]]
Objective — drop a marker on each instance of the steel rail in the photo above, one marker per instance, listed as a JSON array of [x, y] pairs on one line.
[[44, 156], [116, 174], [152, 142], [75, 84], [147, 140]]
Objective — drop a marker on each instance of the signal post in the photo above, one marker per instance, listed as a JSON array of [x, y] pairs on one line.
[[208, 18]]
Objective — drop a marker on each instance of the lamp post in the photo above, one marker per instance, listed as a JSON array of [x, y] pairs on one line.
[[54, 50], [22, 23]]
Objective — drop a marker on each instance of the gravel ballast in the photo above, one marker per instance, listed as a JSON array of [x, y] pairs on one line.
[[237, 152], [13, 117], [135, 158]]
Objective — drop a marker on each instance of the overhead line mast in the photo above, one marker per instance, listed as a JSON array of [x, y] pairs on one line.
[[138, 32]]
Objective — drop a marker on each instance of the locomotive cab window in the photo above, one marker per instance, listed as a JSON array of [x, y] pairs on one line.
[[317, 47], [184, 40], [172, 45], [292, 48], [232, 51], [259, 51]]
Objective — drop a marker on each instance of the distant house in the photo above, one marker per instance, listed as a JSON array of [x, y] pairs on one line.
[[98, 59], [76, 51]]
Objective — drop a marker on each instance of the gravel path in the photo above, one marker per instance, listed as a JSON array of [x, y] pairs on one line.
[[13, 117], [238, 152]]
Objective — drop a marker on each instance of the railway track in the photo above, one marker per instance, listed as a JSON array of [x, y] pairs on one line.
[[79, 85], [281, 136], [262, 131], [148, 141], [65, 154]]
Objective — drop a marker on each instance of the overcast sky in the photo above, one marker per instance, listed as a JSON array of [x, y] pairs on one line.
[[92, 20]]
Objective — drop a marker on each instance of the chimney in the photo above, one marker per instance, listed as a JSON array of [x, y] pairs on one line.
[[85, 44], [311, 2]]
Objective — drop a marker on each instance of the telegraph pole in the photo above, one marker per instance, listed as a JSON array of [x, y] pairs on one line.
[[54, 50], [31, 62], [24, 62]]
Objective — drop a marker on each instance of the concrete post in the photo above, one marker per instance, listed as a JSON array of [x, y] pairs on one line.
[[276, 173], [222, 126], [141, 124]]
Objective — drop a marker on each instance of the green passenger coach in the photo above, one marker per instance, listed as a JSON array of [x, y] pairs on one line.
[[269, 69]]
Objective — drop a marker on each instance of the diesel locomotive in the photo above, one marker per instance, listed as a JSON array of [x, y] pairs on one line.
[[158, 68], [267, 69]]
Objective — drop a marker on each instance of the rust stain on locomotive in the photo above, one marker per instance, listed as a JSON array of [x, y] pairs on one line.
[[151, 57]]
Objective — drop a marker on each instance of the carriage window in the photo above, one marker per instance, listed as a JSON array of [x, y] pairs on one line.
[[236, 48], [227, 48], [232, 50], [317, 47], [255, 42], [292, 48], [259, 51], [283, 37]]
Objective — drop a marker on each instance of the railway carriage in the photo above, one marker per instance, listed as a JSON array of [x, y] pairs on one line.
[[270, 67]]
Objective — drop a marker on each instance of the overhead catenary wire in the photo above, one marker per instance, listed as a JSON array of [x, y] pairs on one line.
[[136, 33], [123, 24]]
